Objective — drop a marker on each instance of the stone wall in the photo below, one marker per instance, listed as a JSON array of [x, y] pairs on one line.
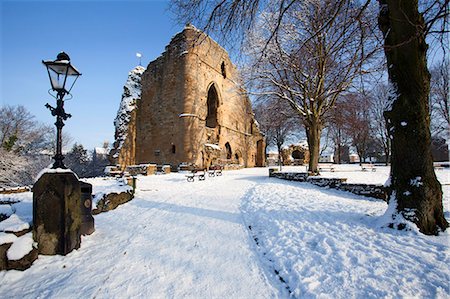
[[295, 154], [173, 122], [369, 190]]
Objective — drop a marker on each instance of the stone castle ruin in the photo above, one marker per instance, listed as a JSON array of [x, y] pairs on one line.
[[187, 107]]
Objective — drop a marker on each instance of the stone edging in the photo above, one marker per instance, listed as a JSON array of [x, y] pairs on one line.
[[111, 201], [368, 190]]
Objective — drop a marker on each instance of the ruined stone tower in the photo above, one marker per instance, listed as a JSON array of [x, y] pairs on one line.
[[191, 110]]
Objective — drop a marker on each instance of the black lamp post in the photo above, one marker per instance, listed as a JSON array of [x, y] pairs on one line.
[[62, 77]]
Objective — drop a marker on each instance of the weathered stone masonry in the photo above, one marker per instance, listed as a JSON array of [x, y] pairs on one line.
[[193, 110]]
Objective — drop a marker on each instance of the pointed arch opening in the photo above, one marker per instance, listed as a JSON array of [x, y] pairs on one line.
[[212, 102], [229, 151]]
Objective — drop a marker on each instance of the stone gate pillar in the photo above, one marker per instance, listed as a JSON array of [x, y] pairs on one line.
[[57, 213]]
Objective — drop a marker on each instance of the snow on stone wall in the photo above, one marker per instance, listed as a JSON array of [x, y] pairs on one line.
[[131, 94]]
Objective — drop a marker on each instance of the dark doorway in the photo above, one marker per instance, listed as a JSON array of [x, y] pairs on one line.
[[229, 152], [259, 154], [298, 155], [212, 103]]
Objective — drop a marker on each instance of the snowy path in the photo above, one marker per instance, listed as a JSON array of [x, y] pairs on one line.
[[191, 240], [174, 240]]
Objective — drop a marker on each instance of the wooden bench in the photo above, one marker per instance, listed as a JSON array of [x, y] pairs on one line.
[[200, 174], [214, 172], [366, 167], [327, 167]]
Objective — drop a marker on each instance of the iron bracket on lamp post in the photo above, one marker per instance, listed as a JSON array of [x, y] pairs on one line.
[[59, 71]]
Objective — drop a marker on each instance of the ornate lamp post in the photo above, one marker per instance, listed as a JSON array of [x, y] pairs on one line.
[[62, 75], [60, 210]]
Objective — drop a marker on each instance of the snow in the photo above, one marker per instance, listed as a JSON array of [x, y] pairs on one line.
[[393, 95], [7, 238], [54, 170], [403, 123], [323, 244], [244, 235], [22, 215], [213, 146], [6, 210], [103, 186], [416, 182], [101, 151], [14, 224], [187, 114], [21, 247], [131, 94]]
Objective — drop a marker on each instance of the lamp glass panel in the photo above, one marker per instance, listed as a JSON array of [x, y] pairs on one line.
[[56, 78]]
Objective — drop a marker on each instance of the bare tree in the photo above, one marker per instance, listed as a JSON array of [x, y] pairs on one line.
[[26, 146], [358, 123], [414, 192], [311, 61], [277, 122], [336, 122], [379, 102], [439, 99]]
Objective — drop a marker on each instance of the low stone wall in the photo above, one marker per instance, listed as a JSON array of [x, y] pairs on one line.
[[290, 176], [111, 201], [369, 190], [147, 169], [14, 190], [20, 264]]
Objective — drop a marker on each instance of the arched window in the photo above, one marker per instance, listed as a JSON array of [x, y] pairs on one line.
[[212, 103], [298, 155], [174, 149], [223, 69], [229, 152]]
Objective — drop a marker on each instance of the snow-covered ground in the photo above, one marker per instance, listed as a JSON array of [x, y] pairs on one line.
[[243, 235]]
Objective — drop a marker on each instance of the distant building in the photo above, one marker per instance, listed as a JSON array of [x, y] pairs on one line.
[[326, 158], [295, 154], [272, 158], [100, 153], [354, 158]]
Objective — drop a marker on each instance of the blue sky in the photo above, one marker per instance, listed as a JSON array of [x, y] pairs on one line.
[[101, 38]]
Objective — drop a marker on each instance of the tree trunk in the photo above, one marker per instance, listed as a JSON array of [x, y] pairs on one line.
[[313, 132], [414, 190], [387, 152], [279, 148]]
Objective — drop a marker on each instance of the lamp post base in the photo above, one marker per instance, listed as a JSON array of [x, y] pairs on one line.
[[56, 213]]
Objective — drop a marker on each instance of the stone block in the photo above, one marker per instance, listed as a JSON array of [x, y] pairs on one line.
[[3, 258], [56, 213], [112, 201], [166, 169], [151, 169], [25, 262]]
